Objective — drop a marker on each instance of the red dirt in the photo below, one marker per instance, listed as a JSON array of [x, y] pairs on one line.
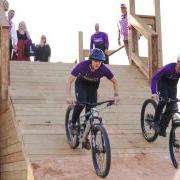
[[127, 167]]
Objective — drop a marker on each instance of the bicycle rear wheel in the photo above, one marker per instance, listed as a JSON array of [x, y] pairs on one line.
[[174, 144], [101, 151], [147, 115], [72, 139]]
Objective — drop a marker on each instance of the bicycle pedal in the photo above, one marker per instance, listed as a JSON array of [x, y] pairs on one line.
[[86, 145], [176, 144]]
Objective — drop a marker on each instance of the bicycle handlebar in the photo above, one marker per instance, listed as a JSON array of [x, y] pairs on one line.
[[169, 99], [109, 103]]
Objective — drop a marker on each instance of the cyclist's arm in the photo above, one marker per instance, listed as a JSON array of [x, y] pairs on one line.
[[115, 87], [156, 78], [70, 80]]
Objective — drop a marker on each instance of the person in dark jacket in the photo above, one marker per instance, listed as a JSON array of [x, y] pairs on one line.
[[164, 84], [43, 51]]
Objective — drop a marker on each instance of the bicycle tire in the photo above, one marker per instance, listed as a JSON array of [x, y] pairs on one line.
[[172, 144], [106, 147], [73, 141], [144, 132]]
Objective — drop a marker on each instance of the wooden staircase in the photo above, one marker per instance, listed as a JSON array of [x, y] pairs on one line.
[[37, 93]]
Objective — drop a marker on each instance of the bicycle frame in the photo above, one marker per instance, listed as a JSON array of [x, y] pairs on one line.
[[89, 123], [93, 114]]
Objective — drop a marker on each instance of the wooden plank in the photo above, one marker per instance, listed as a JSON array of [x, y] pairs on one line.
[[11, 158], [148, 19], [132, 7], [141, 27], [16, 166], [140, 64], [14, 148], [153, 55], [80, 38], [3, 19], [158, 30], [4, 61], [14, 175]]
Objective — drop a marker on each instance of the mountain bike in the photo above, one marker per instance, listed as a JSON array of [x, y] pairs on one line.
[[91, 123], [147, 116]]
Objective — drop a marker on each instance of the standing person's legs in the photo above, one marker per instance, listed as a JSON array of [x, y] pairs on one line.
[[107, 59], [126, 47]]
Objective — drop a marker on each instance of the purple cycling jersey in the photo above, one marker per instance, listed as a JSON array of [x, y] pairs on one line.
[[167, 72], [99, 40], [83, 70]]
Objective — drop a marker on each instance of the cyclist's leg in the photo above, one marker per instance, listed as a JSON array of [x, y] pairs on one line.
[[163, 92], [81, 96], [170, 107], [166, 117], [91, 97]]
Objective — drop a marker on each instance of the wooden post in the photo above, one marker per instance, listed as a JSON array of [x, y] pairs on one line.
[[157, 13], [131, 10], [153, 55], [4, 60], [4, 68], [81, 53]]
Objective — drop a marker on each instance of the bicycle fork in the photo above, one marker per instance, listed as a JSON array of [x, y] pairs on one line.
[[86, 132]]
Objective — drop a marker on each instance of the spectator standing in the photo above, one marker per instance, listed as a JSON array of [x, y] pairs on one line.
[[123, 28], [6, 5], [23, 38], [13, 35], [43, 50], [100, 40]]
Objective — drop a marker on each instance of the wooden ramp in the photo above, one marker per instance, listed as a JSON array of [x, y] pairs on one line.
[[37, 92]]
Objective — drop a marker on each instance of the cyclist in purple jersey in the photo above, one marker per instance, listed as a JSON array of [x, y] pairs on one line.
[[87, 75], [164, 84]]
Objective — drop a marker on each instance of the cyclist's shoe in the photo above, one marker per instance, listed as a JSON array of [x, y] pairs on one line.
[[73, 129], [86, 144], [155, 126], [176, 144], [162, 132]]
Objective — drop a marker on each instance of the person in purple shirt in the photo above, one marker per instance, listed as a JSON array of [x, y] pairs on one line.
[[100, 40], [164, 84], [87, 75], [123, 28]]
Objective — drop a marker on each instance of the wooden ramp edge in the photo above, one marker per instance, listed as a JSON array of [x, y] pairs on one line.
[[14, 164], [33, 134]]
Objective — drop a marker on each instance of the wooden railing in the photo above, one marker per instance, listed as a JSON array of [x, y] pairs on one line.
[[149, 27], [85, 52], [4, 59]]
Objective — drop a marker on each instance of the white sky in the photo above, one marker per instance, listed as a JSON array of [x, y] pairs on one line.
[[60, 21]]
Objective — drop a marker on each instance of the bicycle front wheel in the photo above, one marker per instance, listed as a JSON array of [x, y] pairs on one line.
[[147, 116], [101, 151], [72, 139], [174, 144]]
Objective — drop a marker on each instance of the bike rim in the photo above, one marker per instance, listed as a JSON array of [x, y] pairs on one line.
[[100, 152], [176, 145], [148, 130], [72, 138]]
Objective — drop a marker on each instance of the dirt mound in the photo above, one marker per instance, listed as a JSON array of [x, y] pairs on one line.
[[126, 167]]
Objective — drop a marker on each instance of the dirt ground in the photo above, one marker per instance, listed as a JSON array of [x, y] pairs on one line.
[[124, 167]]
